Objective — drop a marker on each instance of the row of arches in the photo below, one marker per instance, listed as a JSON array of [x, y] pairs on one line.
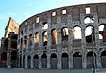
[[77, 60], [13, 59], [76, 32]]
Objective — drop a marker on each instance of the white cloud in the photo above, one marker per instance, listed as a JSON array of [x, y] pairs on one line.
[[11, 14]]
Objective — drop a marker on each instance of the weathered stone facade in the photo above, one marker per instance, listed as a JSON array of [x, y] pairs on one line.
[[8, 50], [52, 47]]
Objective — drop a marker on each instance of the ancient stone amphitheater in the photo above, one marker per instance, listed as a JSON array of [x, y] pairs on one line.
[[64, 38]]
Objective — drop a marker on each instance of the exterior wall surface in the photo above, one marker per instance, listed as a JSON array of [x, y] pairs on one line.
[[62, 50]]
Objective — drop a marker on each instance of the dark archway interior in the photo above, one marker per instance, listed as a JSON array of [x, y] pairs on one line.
[[44, 56], [103, 53], [90, 54], [13, 55], [6, 44], [64, 55], [53, 55], [4, 56], [36, 57], [77, 54]]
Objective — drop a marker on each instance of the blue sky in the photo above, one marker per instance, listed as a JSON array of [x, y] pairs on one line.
[[20, 10]]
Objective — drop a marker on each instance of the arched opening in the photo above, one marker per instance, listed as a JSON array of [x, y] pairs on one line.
[[36, 61], [5, 47], [65, 61], [54, 36], [24, 61], [64, 34], [103, 59], [14, 37], [13, 59], [91, 56], [89, 33], [53, 61], [21, 33], [102, 32], [76, 36], [77, 60], [44, 38], [44, 60], [88, 20], [25, 41], [45, 25], [3, 59], [29, 62], [36, 40], [30, 39]]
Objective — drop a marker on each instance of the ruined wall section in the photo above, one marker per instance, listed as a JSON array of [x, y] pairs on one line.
[[12, 26]]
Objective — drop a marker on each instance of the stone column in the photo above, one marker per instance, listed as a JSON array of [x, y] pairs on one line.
[[8, 60], [48, 61], [40, 35], [70, 39], [27, 38], [84, 62], [32, 42], [31, 61], [40, 64], [22, 52], [25, 61], [59, 61], [97, 45], [49, 34], [98, 59], [71, 60]]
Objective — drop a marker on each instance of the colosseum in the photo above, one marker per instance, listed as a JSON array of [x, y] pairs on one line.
[[70, 37]]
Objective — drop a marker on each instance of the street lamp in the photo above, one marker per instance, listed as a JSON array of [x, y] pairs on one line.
[[94, 66]]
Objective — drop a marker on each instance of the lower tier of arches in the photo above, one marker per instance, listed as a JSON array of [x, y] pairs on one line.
[[64, 60]]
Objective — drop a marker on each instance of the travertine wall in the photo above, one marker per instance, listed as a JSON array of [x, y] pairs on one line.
[[74, 16]]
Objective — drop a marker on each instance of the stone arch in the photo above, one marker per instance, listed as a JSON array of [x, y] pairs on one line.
[[45, 25], [77, 60], [44, 38], [5, 47], [89, 19], [36, 61], [30, 39], [3, 59], [44, 60], [64, 34], [76, 29], [89, 34], [14, 41], [36, 37], [103, 59], [13, 59], [28, 61], [91, 56], [14, 37], [65, 61], [53, 61], [102, 32], [25, 41], [21, 33], [54, 36]]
